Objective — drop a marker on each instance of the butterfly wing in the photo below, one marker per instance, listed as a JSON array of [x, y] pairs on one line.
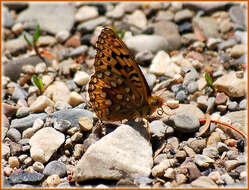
[[118, 88]]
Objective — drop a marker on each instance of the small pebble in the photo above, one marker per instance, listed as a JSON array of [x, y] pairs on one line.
[[203, 161], [243, 104], [28, 161], [13, 162], [62, 125], [231, 164], [221, 98], [173, 104], [85, 124], [77, 137], [53, 180], [22, 157], [28, 133], [75, 99], [22, 112], [38, 166], [233, 106]]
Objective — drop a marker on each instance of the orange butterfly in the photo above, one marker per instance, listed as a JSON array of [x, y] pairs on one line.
[[118, 89]]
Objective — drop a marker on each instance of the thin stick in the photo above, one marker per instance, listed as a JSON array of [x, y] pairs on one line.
[[227, 125]]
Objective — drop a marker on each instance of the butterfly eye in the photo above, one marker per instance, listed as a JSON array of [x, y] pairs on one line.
[[154, 102]]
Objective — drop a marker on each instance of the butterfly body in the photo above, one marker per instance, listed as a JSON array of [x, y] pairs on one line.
[[118, 89]]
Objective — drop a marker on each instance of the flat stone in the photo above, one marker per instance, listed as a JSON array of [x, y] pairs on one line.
[[208, 26], [116, 146], [86, 13], [231, 85], [54, 139], [158, 65], [72, 115], [26, 177], [183, 15], [203, 161], [90, 25], [55, 13], [169, 31], [143, 42], [58, 92], [138, 19], [55, 167], [26, 122], [40, 104]]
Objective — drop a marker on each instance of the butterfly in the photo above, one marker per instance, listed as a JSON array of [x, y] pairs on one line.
[[118, 89]]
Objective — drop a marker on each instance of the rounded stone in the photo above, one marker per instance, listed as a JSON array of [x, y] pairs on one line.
[[14, 134], [13, 162], [184, 123], [85, 123], [55, 168]]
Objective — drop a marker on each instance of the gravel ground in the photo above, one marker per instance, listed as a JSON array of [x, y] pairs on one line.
[[53, 139]]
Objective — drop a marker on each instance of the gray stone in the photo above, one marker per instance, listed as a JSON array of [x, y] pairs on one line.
[[26, 122], [8, 20], [238, 15], [226, 44], [192, 87], [92, 24], [62, 125], [151, 79], [52, 12], [19, 93], [211, 152], [15, 46], [22, 112], [143, 42], [169, 31], [55, 168], [208, 26], [158, 128], [243, 104], [14, 67], [203, 161], [181, 95], [26, 177], [191, 75], [72, 115], [183, 15], [233, 106], [185, 123], [118, 147], [206, 6], [14, 134]]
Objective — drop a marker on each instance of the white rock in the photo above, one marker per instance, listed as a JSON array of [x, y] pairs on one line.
[[58, 92], [138, 19], [162, 65], [40, 104], [86, 13], [81, 78], [115, 155], [231, 85], [44, 143], [75, 99]]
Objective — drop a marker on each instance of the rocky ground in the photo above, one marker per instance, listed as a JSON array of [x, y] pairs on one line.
[[52, 138]]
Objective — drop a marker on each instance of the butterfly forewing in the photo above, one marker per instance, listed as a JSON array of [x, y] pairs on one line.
[[118, 87]]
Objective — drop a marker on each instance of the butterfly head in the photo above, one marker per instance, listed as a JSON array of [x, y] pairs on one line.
[[155, 102]]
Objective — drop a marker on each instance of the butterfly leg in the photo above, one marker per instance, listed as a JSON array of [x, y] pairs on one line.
[[148, 128]]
